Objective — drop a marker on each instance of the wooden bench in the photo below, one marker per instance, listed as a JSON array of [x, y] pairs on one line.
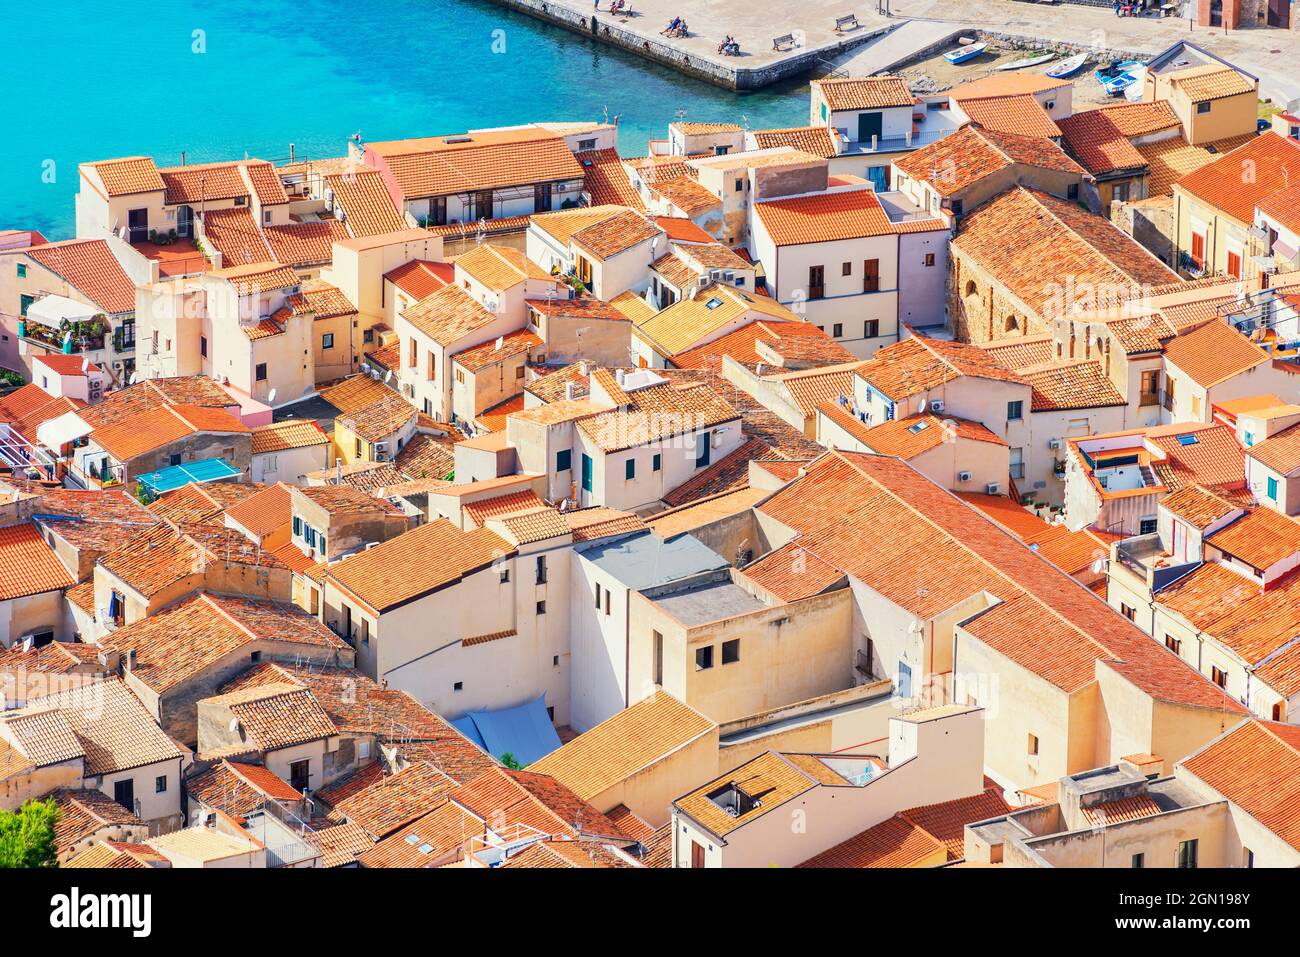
[[779, 43], [845, 24]]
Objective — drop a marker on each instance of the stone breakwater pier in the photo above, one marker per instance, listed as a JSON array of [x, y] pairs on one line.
[[811, 32]]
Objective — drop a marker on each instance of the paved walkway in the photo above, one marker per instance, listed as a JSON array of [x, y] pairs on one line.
[[1271, 55], [903, 43], [753, 23]]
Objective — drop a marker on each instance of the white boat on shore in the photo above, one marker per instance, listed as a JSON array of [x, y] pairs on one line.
[[1031, 61]]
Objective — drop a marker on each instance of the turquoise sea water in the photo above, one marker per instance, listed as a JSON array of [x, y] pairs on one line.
[[88, 79]]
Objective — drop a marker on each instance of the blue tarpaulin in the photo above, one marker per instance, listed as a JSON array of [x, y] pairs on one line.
[[524, 731], [174, 476]]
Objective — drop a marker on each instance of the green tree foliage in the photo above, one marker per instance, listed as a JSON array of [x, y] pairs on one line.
[[27, 835], [511, 762]]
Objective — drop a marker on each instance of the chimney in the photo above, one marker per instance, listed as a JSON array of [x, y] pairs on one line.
[[570, 390], [618, 377], [128, 660]]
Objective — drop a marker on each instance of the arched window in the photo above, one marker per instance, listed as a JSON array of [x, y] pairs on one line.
[[970, 287], [1012, 325]]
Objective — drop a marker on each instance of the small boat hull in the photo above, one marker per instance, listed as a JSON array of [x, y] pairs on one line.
[[1032, 61], [1069, 67], [962, 54]]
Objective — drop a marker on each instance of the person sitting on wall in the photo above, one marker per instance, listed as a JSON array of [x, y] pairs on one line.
[[670, 30]]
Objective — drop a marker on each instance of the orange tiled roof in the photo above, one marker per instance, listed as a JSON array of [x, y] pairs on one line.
[[624, 745], [1258, 625], [865, 93], [254, 277], [156, 427], [850, 509], [894, 842], [504, 798], [800, 341], [289, 434], [911, 436], [115, 730], [203, 181], [1272, 157], [129, 175], [1095, 137], [88, 266], [1056, 241], [509, 504], [419, 278], [828, 217], [1210, 82], [234, 233], [1071, 384], [1198, 506], [265, 511], [366, 203], [1124, 809], [792, 572], [973, 152], [1257, 767], [305, 244], [947, 820], [686, 194], [1280, 452], [392, 800], [1213, 459], [919, 363], [617, 233], [1261, 538], [1023, 115], [28, 566], [448, 315], [606, 179], [1214, 353], [486, 159], [416, 563], [815, 140], [499, 267]]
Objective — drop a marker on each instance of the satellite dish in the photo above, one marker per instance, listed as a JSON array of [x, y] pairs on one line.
[[234, 724], [135, 377], [270, 396], [501, 340], [85, 365], [388, 377], [921, 407]]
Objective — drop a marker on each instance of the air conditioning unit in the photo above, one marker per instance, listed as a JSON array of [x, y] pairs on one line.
[[963, 476], [993, 488], [936, 405], [1053, 443]]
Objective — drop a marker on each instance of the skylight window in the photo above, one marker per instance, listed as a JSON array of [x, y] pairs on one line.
[[919, 427], [1187, 440], [713, 303]]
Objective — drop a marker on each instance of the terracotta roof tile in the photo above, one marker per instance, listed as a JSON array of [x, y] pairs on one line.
[[1213, 353], [919, 363], [1070, 384], [129, 175], [852, 509], [415, 563], [1056, 241], [623, 745], [420, 278], [304, 244], [829, 217], [448, 315], [972, 153], [28, 566], [1261, 538], [1210, 82], [90, 267], [289, 434], [808, 139], [606, 179], [865, 93], [365, 202], [1019, 114], [112, 726], [791, 573], [1256, 766], [485, 159], [234, 233], [1220, 183]]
